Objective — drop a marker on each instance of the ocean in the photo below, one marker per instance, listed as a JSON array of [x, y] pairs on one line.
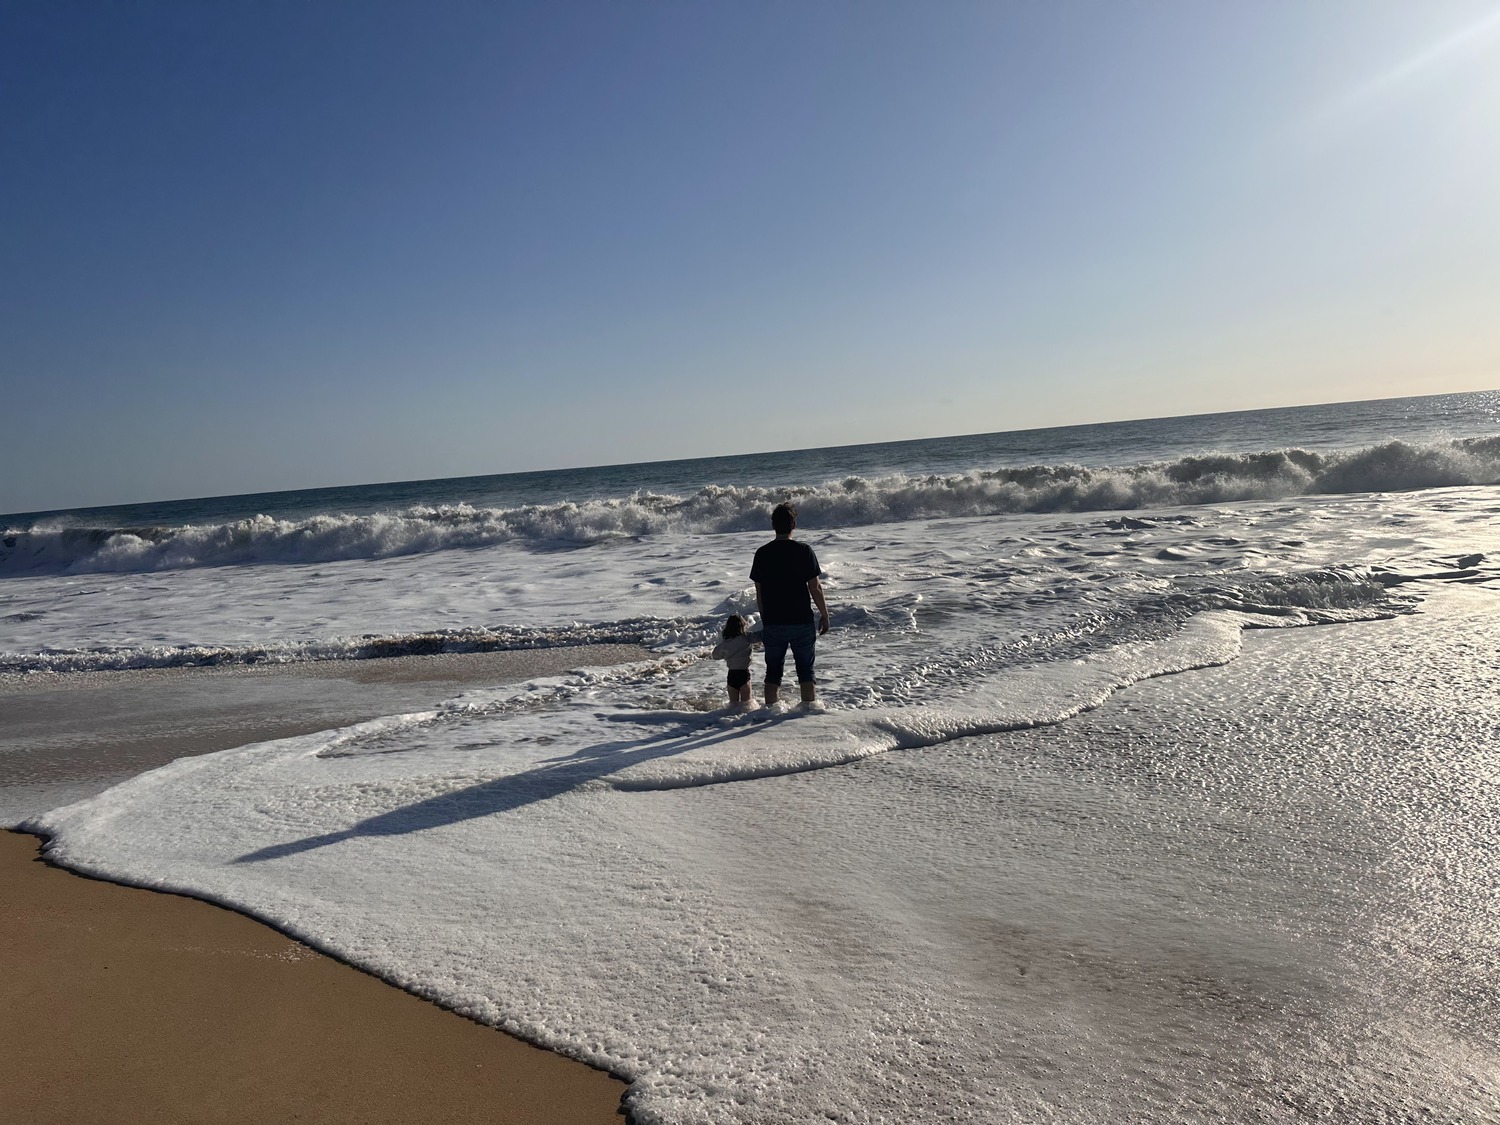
[[1155, 776]]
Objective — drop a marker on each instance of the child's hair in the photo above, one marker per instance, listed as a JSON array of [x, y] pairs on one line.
[[734, 627]]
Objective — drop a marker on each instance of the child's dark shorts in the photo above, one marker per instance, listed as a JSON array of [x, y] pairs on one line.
[[739, 677]]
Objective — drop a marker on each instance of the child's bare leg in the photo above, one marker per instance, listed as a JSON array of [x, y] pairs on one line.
[[745, 692]]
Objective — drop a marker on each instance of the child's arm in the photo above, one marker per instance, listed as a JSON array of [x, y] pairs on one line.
[[718, 652]]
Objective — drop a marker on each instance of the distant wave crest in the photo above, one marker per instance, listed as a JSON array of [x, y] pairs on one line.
[[1205, 479]]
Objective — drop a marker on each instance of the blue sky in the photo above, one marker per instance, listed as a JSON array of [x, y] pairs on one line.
[[290, 244]]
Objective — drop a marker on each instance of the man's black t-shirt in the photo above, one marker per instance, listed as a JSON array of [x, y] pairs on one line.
[[783, 567]]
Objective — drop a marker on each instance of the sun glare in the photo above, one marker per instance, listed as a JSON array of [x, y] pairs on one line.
[[1462, 46]]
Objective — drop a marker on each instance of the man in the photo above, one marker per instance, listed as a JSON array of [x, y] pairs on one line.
[[786, 584]]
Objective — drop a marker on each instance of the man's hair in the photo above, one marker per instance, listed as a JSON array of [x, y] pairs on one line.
[[783, 518]]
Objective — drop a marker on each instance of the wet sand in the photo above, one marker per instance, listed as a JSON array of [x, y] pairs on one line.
[[127, 1005], [65, 737]]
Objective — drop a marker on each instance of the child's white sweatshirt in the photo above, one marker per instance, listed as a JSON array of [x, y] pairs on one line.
[[735, 651]]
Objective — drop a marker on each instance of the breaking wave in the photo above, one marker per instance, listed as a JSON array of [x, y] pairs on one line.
[[1206, 479]]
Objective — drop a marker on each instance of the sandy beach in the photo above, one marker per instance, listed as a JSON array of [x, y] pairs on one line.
[[130, 1005]]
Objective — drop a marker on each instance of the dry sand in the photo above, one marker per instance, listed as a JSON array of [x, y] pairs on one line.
[[126, 1005]]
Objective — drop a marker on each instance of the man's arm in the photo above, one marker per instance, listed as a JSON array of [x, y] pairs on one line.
[[759, 606], [815, 588]]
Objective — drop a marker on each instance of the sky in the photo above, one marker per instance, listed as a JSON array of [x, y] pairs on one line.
[[299, 243]]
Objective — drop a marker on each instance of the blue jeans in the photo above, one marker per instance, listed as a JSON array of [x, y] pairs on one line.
[[803, 641]]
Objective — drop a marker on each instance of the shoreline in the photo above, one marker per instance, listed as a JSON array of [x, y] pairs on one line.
[[133, 1005], [69, 735]]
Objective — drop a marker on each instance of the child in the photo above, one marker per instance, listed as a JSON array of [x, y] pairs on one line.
[[734, 650]]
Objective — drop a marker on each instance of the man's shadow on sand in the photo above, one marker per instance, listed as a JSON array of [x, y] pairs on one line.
[[540, 783]]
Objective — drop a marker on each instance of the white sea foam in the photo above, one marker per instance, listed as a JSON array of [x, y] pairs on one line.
[[1206, 905], [854, 501], [769, 743]]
